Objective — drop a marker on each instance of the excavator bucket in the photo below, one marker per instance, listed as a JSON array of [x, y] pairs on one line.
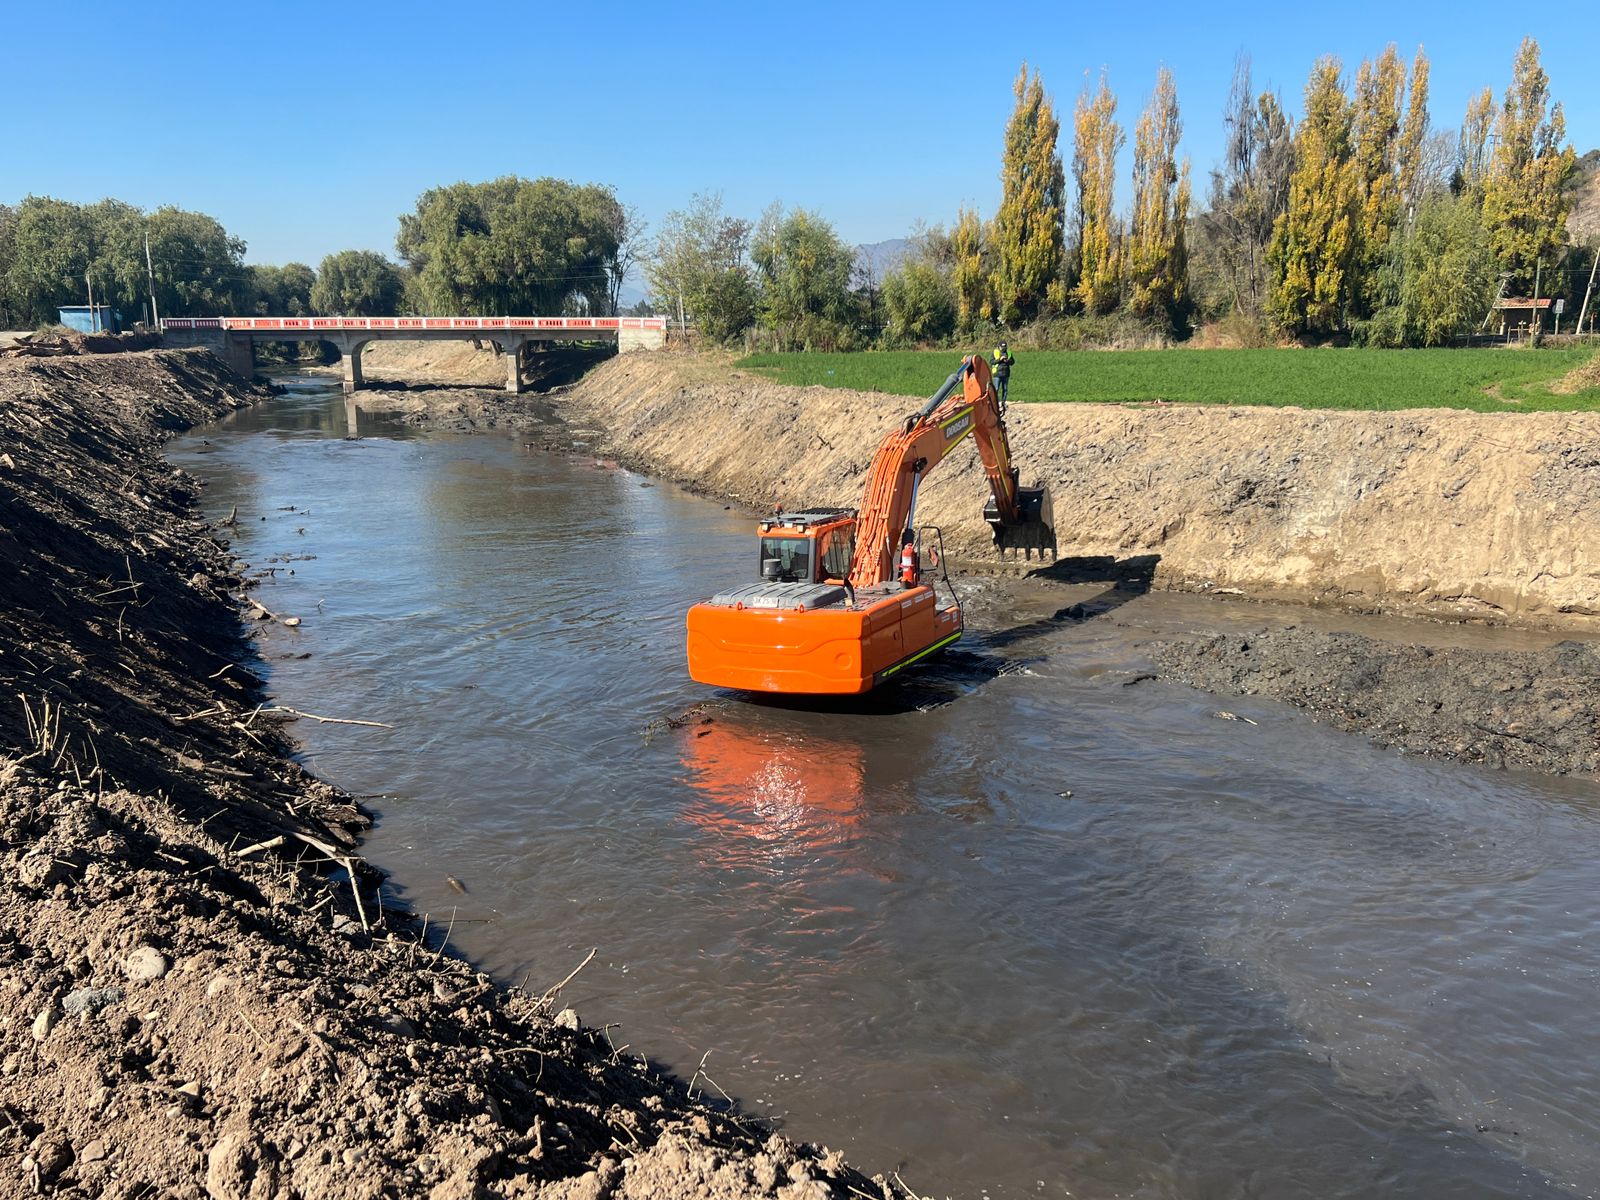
[[1036, 531]]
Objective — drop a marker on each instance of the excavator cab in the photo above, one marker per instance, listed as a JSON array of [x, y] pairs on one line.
[[808, 547]]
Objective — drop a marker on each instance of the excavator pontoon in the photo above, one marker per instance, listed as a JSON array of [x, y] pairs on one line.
[[843, 601]]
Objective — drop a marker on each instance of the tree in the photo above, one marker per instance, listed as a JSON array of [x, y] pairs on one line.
[[1251, 190], [1446, 275], [357, 283], [514, 246], [805, 277], [972, 269], [1314, 239], [921, 302], [1375, 154], [627, 249], [1524, 200], [1472, 147], [55, 248], [283, 291], [700, 268], [1158, 259], [1028, 229], [1412, 167], [1098, 249]]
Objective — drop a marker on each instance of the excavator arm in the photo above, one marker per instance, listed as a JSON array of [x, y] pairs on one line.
[[965, 403]]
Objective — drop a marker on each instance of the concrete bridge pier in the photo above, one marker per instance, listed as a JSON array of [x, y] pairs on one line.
[[350, 347], [515, 348]]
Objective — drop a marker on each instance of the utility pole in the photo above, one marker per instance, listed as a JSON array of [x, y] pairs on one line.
[[1538, 321], [1587, 290], [94, 317], [155, 313]]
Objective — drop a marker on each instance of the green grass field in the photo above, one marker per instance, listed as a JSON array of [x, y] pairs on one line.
[[1488, 380]]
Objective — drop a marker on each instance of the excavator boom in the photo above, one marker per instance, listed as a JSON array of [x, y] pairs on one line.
[[966, 403]]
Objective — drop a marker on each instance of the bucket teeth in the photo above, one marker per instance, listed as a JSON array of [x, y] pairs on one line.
[[1035, 532]]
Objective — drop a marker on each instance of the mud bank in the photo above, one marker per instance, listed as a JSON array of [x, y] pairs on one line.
[[202, 992], [1530, 709], [1448, 514]]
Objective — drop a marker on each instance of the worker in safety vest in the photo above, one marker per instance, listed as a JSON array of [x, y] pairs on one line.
[[1001, 362]]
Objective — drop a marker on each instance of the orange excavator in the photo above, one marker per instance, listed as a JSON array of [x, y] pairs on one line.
[[843, 602]]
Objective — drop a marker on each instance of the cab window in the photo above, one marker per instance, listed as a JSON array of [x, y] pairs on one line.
[[838, 549], [793, 555]]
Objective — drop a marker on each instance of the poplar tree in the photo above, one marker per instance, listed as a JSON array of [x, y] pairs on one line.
[[1524, 208], [969, 271], [1313, 241], [1098, 138], [1376, 137], [1472, 147], [1411, 175], [1029, 226], [1158, 260]]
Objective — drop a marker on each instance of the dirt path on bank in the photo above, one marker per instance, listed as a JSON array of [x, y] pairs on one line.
[[196, 1000]]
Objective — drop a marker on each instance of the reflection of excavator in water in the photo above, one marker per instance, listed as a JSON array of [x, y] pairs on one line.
[[832, 613]]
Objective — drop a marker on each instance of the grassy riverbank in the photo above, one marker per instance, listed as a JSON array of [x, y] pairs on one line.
[[1488, 380]]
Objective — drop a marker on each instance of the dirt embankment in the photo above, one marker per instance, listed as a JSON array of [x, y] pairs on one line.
[[1442, 513], [194, 999]]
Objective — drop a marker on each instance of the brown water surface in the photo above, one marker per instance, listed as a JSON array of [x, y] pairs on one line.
[[1013, 928]]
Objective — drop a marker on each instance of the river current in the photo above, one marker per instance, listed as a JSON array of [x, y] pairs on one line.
[[1014, 928]]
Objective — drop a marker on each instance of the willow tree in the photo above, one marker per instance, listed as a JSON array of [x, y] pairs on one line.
[[1028, 229], [1158, 258], [1313, 241], [1524, 205], [1098, 251]]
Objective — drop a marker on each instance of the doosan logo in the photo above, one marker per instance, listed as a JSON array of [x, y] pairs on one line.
[[957, 427]]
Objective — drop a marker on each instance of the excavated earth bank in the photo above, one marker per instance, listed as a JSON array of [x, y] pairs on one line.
[[194, 1000], [1432, 512]]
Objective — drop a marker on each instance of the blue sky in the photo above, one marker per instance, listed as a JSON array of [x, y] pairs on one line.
[[308, 128]]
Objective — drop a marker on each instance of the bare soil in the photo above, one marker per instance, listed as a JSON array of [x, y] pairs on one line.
[[1532, 709], [202, 993]]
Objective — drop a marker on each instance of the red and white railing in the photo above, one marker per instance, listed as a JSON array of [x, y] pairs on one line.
[[426, 324]]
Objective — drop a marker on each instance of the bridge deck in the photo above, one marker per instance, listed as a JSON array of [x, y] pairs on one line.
[[467, 325]]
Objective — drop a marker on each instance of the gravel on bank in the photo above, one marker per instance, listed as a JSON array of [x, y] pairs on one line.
[[202, 993]]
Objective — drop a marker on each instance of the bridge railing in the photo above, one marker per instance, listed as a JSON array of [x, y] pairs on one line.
[[421, 324]]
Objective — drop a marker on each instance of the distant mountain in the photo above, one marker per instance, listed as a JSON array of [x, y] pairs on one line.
[[882, 257]]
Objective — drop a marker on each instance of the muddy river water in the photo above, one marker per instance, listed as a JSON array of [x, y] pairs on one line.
[[1014, 929]]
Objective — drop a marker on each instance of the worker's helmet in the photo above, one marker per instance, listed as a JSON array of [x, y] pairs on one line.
[[1002, 345]]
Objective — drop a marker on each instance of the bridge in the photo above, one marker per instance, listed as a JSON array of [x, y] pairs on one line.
[[234, 339]]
